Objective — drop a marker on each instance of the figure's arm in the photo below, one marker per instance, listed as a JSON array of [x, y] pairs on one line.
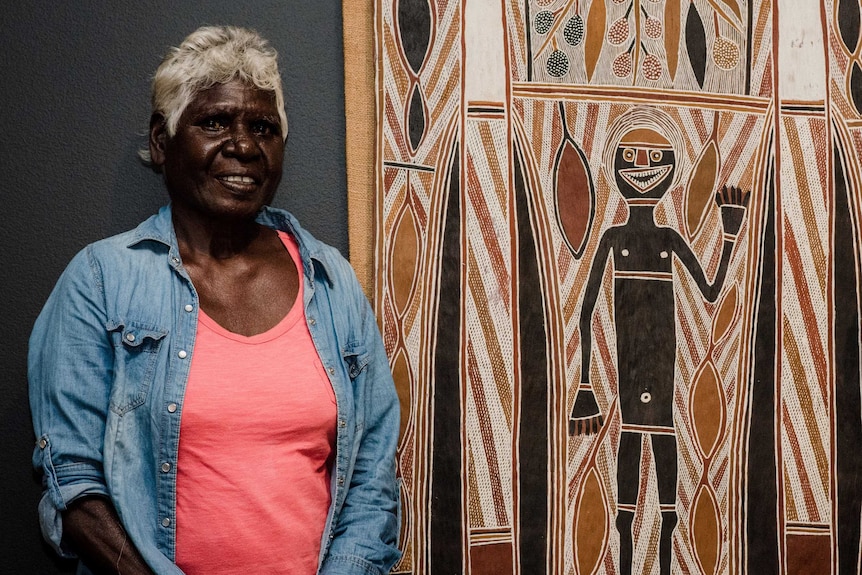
[[732, 202], [586, 417], [69, 370], [365, 531]]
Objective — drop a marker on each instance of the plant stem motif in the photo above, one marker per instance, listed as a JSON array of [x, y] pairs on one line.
[[637, 56], [637, 38]]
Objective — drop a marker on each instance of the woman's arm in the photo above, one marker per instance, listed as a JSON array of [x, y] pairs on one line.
[[93, 530], [365, 529], [69, 370]]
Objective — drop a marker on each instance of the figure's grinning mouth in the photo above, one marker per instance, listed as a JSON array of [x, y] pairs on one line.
[[645, 179]]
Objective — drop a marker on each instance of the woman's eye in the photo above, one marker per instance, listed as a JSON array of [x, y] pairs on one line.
[[264, 128], [629, 155], [213, 124], [655, 155]]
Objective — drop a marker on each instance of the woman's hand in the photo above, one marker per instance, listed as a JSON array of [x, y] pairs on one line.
[[93, 529]]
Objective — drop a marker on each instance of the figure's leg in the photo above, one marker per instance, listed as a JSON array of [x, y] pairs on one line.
[[628, 479], [664, 451]]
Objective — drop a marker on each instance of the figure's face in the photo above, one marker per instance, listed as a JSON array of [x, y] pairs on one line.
[[644, 164], [225, 159]]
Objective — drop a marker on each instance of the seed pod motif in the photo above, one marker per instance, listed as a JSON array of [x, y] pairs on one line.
[[558, 64], [618, 32], [651, 67], [652, 27], [543, 21], [622, 66], [725, 53], [574, 30]]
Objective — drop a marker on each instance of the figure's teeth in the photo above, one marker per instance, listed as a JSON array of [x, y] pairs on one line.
[[239, 179], [644, 179]]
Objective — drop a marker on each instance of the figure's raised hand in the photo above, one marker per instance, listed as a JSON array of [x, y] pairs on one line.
[[733, 202], [586, 417]]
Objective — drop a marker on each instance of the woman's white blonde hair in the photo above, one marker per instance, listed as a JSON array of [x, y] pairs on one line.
[[214, 55]]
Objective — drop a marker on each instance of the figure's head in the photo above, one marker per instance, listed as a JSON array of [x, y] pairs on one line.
[[642, 154], [208, 56], [644, 164]]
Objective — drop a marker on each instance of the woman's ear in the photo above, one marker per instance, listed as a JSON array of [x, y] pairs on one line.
[[158, 136]]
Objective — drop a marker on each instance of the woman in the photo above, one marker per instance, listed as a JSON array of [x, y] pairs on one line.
[[209, 391]]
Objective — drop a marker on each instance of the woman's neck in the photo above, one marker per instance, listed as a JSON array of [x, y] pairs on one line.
[[217, 238]]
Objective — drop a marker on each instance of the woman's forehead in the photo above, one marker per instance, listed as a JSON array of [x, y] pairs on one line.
[[645, 138]]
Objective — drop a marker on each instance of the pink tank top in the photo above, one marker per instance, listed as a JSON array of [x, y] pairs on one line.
[[257, 437]]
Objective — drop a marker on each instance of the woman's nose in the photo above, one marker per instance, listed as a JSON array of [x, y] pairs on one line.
[[642, 158], [241, 144]]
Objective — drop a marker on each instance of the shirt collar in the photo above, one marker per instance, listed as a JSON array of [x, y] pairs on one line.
[[159, 228]]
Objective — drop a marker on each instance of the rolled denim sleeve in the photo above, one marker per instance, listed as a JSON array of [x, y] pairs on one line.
[[69, 371], [366, 530]]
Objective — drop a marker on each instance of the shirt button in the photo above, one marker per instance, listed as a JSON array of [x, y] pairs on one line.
[[331, 371], [172, 408], [166, 522], [312, 321], [182, 354], [43, 443], [189, 307], [166, 467], [341, 480], [130, 337], [341, 423], [175, 259]]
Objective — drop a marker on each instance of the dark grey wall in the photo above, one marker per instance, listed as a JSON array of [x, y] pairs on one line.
[[74, 99]]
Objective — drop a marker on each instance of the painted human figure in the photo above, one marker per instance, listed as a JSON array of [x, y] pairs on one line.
[[642, 253]]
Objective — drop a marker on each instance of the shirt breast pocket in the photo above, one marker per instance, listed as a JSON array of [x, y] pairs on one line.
[[136, 354], [355, 359]]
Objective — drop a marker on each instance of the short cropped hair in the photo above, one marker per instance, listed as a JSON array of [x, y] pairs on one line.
[[214, 55]]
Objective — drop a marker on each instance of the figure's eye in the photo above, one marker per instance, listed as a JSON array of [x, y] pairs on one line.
[[264, 128], [655, 155], [629, 154]]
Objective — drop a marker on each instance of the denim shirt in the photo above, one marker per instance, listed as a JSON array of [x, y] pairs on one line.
[[108, 364]]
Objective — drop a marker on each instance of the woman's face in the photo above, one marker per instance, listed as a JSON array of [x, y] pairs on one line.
[[225, 159]]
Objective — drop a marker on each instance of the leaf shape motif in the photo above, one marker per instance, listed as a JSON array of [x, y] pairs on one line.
[[575, 196], [848, 23], [705, 531], [855, 86], [672, 32], [595, 37], [701, 185], [591, 525], [404, 389], [414, 28], [707, 408], [695, 41], [405, 259], [416, 118], [734, 7], [725, 314]]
